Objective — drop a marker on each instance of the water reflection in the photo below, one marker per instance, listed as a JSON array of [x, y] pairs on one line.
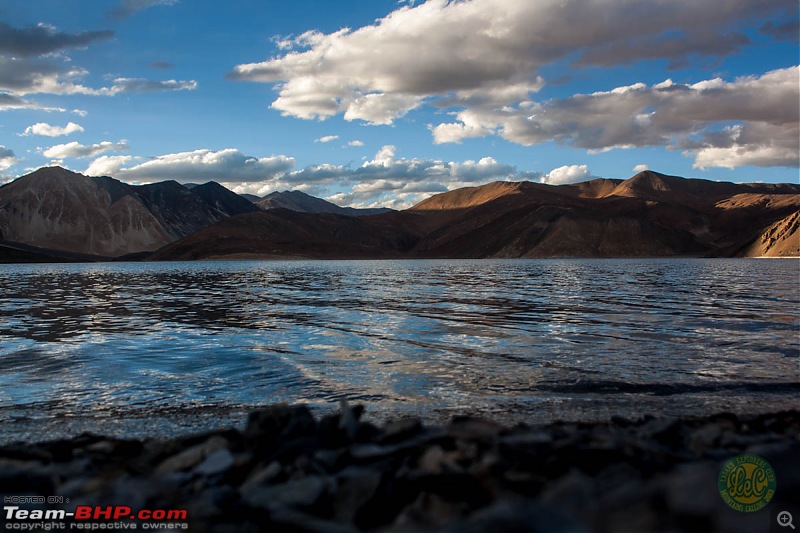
[[518, 337]]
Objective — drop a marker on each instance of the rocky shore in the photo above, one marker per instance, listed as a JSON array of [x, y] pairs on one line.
[[288, 471]]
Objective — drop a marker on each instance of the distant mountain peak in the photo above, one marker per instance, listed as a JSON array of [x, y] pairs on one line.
[[305, 203], [470, 196], [55, 208], [54, 172]]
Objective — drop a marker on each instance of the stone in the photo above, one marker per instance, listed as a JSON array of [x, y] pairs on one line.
[[703, 438], [355, 486], [268, 427], [263, 476], [191, 456], [218, 462], [298, 493], [513, 515], [400, 430], [527, 438], [467, 427]]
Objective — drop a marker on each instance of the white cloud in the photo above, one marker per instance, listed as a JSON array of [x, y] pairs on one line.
[[327, 139], [759, 155], [674, 115], [641, 168], [33, 61], [11, 101], [46, 76], [567, 174], [356, 143], [486, 53], [229, 165], [107, 165], [75, 149], [7, 158], [387, 179], [141, 85], [42, 128]]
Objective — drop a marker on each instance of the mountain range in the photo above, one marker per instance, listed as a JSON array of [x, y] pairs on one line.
[[57, 213], [305, 203]]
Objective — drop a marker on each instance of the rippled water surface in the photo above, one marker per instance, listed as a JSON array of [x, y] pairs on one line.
[[158, 347]]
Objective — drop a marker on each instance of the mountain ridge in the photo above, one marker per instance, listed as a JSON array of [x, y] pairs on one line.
[[649, 214], [305, 203], [57, 209]]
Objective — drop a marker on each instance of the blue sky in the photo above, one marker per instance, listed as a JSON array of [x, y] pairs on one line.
[[385, 102]]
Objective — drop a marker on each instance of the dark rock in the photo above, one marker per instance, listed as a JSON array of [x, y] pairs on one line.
[[298, 493], [268, 428], [428, 512], [517, 516], [265, 475], [355, 486], [704, 438], [288, 473], [291, 520], [192, 456], [400, 430], [23, 477], [216, 463], [467, 427]]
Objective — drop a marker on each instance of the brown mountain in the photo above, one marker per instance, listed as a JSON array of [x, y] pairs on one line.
[[55, 209], [305, 203], [650, 214], [283, 233]]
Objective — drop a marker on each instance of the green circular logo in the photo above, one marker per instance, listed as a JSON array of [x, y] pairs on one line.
[[747, 483]]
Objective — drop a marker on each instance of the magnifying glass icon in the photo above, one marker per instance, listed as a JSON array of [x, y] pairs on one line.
[[785, 519]]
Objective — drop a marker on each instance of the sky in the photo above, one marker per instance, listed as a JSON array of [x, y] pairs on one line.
[[385, 102]]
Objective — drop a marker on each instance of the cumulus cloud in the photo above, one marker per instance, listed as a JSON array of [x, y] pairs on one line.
[[679, 116], [488, 52], [388, 180], [7, 158], [567, 174], [756, 144], [75, 149], [127, 8], [45, 129], [107, 165], [641, 168], [229, 165], [355, 142], [327, 139]]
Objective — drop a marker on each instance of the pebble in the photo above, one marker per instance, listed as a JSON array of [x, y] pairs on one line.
[[288, 471]]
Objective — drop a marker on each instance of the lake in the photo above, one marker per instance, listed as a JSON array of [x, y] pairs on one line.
[[161, 348]]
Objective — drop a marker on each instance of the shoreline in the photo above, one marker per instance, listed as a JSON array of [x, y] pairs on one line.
[[256, 257], [287, 470], [24, 424]]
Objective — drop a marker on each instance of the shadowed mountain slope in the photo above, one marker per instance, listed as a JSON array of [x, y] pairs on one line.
[[650, 214], [293, 234], [56, 209], [304, 203]]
